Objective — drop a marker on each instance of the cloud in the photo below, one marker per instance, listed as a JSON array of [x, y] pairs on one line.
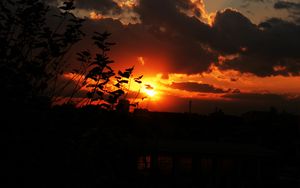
[[176, 37], [166, 37], [256, 97], [232, 31], [195, 8], [259, 48], [121, 10], [103, 6], [247, 3], [196, 87], [287, 5], [256, 1], [292, 7]]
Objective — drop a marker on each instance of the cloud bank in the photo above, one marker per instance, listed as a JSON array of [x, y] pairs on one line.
[[177, 35]]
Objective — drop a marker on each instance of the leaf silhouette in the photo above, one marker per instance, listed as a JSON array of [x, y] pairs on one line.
[[138, 81], [124, 74], [118, 85], [130, 69], [149, 87], [140, 77], [123, 81]]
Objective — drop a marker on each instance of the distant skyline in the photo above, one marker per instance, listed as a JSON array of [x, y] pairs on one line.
[[237, 55]]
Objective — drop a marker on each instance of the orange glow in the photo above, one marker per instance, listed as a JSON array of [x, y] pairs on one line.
[[150, 90], [125, 17], [244, 49], [144, 64], [211, 18], [161, 88], [161, 94], [141, 60], [127, 3], [207, 17], [225, 79], [223, 59], [95, 16], [245, 82], [279, 68]]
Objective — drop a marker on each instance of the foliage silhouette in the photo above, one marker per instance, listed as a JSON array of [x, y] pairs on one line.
[[33, 53], [34, 56], [105, 87]]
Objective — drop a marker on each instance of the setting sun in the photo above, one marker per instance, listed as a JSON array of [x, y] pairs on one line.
[[150, 93], [149, 90]]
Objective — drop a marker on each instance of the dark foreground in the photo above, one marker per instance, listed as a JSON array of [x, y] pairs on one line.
[[67, 147]]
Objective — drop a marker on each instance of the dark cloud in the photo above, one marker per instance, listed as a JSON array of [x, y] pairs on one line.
[[293, 8], [185, 35], [256, 1], [259, 1], [179, 43], [287, 5], [232, 31], [247, 3], [167, 13], [196, 87], [274, 42], [256, 97], [260, 49], [166, 36], [102, 6]]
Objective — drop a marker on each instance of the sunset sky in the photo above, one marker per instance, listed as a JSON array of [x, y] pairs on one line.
[[237, 55]]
